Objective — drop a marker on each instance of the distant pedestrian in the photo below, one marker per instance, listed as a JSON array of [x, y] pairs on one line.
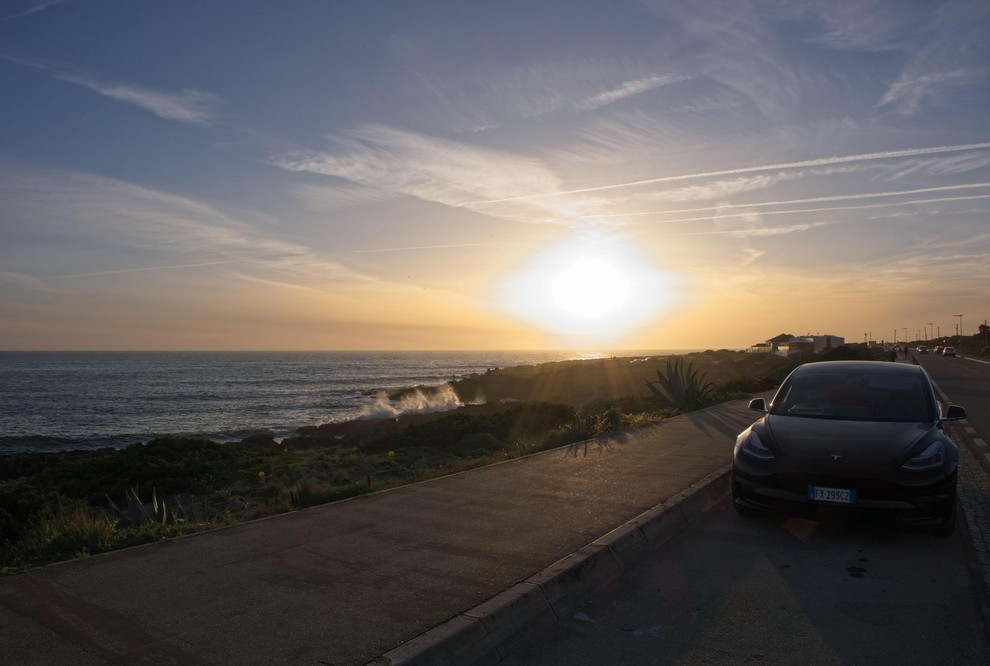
[[893, 356]]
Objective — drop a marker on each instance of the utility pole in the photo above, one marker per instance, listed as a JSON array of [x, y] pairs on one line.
[[929, 334], [959, 329]]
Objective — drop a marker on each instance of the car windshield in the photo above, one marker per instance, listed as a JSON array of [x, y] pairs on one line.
[[856, 396]]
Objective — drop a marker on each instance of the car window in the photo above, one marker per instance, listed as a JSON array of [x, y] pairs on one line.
[[855, 396]]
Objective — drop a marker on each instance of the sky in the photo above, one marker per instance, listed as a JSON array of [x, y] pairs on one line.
[[543, 174]]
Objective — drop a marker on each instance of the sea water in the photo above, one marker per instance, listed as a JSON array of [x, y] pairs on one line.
[[52, 401]]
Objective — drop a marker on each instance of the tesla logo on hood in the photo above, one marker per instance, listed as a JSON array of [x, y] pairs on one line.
[[835, 457]]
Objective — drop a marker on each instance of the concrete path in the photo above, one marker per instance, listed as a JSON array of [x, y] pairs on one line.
[[348, 583]]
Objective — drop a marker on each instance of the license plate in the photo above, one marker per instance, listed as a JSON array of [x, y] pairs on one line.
[[833, 495]]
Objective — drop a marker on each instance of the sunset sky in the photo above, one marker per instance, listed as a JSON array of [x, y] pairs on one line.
[[239, 174]]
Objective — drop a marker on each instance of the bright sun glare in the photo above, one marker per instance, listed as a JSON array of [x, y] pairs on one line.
[[589, 288]]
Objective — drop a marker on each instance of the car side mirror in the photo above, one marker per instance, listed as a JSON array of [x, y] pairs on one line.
[[760, 405], [954, 413]]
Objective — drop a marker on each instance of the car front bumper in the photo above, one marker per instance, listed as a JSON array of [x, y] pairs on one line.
[[877, 500]]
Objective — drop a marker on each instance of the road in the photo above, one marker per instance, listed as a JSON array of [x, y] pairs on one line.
[[770, 590], [966, 382], [762, 591]]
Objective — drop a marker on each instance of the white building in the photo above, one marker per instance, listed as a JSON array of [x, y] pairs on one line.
[[816, 344], [786, 345]]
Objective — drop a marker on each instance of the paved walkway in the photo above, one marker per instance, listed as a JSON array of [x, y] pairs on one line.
[[348, 582]]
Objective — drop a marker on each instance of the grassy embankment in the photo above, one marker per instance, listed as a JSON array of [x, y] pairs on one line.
[[72, 504]]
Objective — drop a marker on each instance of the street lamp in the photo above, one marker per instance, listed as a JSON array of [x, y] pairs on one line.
[[928, 336], [959, 330]]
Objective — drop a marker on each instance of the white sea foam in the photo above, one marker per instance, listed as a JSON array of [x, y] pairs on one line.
[[441, 399]]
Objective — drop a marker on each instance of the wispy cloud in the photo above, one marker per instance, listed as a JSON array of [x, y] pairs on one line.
[[392, 160], [146, 230], [191, 107], [952, 58], [419, 247], [30, 283], [629, 89], [323, 198], [34, 8], [188, 106], [910, 94]]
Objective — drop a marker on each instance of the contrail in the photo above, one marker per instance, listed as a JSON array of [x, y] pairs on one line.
[[823, 161], [837, 197], [421, 247], [818, 210], [141, 269]]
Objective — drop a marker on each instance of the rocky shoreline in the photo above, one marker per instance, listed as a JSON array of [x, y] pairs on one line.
[[586, 386]]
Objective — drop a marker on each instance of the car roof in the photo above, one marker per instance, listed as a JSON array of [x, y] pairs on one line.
[[872, 367]]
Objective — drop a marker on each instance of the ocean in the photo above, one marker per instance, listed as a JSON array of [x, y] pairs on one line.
[[53, 401]]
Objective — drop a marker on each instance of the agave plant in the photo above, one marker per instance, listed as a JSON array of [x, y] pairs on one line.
[[137, 513], [681, 387]]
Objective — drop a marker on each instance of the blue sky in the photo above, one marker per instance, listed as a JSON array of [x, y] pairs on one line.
[[490, 175]]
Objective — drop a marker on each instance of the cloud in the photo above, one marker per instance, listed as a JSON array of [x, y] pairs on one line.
[[944, 63], [324, 198], [419, 247], [861, 26], [911, 94], [489, 95], [34, 8], [629, 89], [393, 160], [187, 106], [88, 226], [27, 282]]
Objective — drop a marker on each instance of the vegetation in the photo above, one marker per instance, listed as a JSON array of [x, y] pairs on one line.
[[71, 504], [681, 387]]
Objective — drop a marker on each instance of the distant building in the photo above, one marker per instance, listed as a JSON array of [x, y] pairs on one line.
[[786, 345]]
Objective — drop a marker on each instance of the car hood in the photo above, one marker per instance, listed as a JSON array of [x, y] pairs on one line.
[[811, 440]]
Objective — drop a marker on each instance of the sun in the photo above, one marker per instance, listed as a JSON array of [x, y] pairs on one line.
[[589, 288]]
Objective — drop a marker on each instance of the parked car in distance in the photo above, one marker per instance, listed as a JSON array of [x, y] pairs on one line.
[[949, 351], [922, 349], [859, 440]]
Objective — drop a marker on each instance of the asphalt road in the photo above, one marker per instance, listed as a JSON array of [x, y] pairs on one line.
[[770, 590], [738, 590], [966, 382]]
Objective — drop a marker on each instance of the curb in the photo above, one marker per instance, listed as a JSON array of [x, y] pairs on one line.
[[494, 628]]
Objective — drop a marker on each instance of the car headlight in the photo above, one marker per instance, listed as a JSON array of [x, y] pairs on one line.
[[750, 444], [932, 457]]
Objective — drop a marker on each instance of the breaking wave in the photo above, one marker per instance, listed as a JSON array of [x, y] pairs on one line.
[[440, 399]]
